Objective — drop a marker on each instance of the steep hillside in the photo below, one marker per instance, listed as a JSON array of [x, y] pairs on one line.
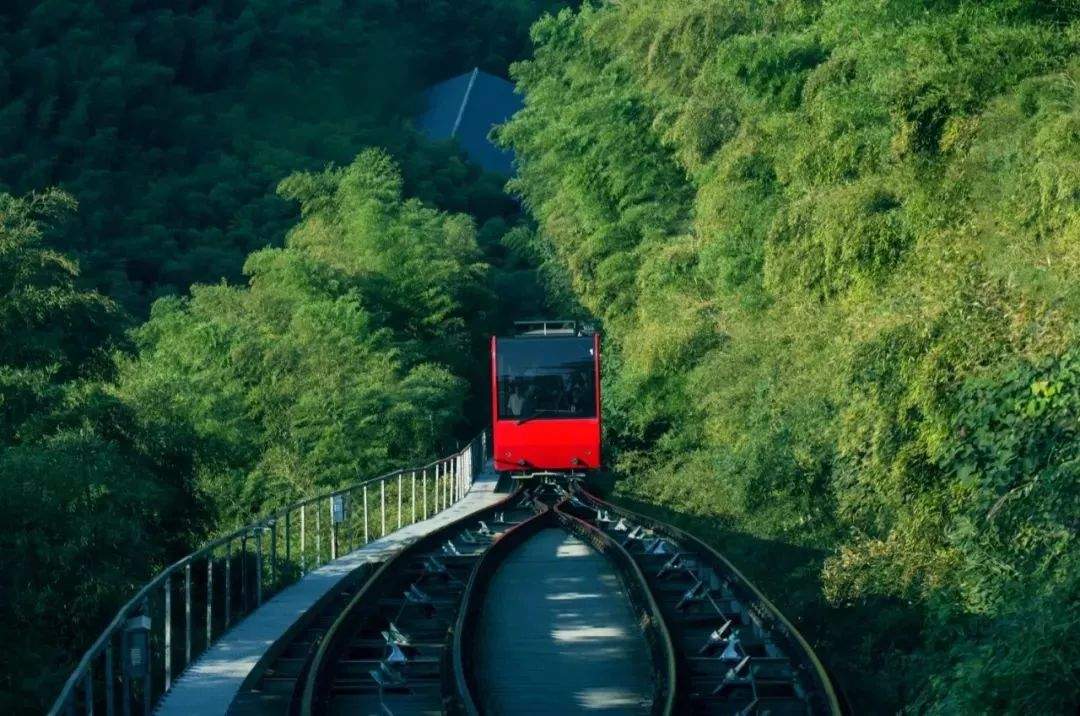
[[834, 246]]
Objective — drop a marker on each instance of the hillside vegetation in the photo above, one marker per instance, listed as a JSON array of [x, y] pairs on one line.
[[343, 356], [835, 248], [268, 368], [172, 121], [347, 352]]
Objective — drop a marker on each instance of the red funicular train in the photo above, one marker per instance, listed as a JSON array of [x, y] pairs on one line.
[[545, 399]]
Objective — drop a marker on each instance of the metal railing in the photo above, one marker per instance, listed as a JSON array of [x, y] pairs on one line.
[[187, 607]]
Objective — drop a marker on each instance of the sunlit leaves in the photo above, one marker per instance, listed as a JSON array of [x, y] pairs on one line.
[[834, 247]]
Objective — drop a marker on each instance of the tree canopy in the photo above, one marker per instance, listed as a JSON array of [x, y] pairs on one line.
[[834, 248], [172, 122], [341, 358], [268, 368]]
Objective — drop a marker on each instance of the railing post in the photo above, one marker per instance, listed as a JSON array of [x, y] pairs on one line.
[[413, 501], [110, 685], [355, 532], [399, 480], [125, 689], [318, 535], [168, 632], [228, 583], [258, 566], [423, 489], [187, 614], [365, 516], [88, 689], [243, 574], [273, 556], [288, 536], [148, 681], [382, 507], [209, 598], [303, 535], [333, 531]]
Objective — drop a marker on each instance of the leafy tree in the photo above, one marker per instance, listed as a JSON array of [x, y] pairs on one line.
[[833, 246], [172, 122], [350, 350], [52, 332], [84, 515], [340, 358]]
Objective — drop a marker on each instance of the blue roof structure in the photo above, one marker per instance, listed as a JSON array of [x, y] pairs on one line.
[[465, 108]]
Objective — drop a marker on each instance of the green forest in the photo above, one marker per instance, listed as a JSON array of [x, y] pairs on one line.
[[832, 247]]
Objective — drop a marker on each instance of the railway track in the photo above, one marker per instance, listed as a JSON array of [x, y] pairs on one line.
[[734, 652], [399, 638], [380, 643]]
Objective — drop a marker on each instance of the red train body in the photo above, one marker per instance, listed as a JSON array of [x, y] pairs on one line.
[[545, 401]]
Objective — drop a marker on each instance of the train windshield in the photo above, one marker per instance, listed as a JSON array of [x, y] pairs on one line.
[[546, 378]]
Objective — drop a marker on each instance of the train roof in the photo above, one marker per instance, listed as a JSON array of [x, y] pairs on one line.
[[548, 328]]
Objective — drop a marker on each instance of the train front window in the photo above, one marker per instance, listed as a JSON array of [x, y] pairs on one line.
[[546, 378]]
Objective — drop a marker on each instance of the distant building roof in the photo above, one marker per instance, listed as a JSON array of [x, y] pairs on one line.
[[466, 108]]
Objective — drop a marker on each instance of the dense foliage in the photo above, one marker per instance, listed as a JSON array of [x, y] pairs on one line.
[[350, 351], [832, 243], [834, 246], [171, 121], [341, 358], [170, 124], [85, 508]]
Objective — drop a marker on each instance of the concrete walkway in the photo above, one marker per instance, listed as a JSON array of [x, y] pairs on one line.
[[211, 683], [557, 635]]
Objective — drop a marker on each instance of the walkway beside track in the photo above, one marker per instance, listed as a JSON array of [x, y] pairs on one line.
[[210, 684], [557, 635]]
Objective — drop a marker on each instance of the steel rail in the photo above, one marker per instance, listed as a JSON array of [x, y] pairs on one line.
[[315, 685], [457, 470], [820, 673], [666, 696], [472, 601]]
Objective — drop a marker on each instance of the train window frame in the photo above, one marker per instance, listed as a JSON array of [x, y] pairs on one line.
[[512, 366]]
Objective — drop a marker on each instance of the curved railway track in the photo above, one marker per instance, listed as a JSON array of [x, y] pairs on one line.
[[399, 638], [735, 652]]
